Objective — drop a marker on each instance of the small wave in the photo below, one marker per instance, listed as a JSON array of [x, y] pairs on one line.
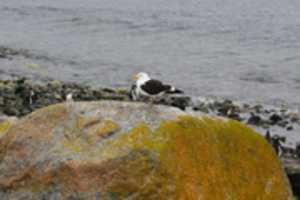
[[53, 60], [291, 58], [227, 53], [10, 53], [297, 80], [260, 78], [117, 22], [70, 20], [18, 11], [51, 9]]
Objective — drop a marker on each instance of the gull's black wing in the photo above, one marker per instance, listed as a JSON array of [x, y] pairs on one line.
[[153, 87]]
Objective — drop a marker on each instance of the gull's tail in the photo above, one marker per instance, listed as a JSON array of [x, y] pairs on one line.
[[174, 90]]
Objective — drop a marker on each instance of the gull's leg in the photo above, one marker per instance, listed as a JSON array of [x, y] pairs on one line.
[[151, 101]]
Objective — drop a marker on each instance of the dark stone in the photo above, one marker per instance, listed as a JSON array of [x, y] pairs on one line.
[[295, 182], [116, 97], [228, 109], [258, 108], [289, 128], [283, 124], [11, 111], [85, 97], [21, 80], [298, 150], [25, 111], [276, 141], [202, 107], [255, 120], [108, 90], [1, 101], [268, 136], [9, 96], [180, 102], [97, 94], [3, 55], [275, 118], [235, 116], [246, 106]]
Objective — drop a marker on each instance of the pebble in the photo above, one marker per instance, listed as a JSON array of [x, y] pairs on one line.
[[255, 120], [275, 118]]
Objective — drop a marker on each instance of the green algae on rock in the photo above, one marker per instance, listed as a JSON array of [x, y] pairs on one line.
[[118, 150], [4, 126], [6, 123]]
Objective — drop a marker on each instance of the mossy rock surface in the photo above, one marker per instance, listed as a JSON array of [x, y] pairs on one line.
[[118, 150], [5, 124]]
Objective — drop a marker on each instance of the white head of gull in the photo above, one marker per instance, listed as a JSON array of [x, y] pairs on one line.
[[141, 78]]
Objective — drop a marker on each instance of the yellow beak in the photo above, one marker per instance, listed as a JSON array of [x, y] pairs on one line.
[[135, 77]]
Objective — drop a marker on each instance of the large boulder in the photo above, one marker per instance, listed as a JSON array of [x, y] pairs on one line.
[[118, 150]]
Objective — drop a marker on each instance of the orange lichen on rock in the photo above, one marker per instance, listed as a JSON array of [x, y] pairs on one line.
[[188, 158], [83, 122], [106, 129], [118, 176], [212, 159], [15, 146], [84, 133]]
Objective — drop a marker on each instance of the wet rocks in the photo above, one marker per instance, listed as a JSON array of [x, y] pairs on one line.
[[292, 168], [225, 108], [181, 102], [229, 109], [290, 128], [202, 108], [295, 179], [298, 150], [12, 111], [277, 142], [255, 119], [290, 158], [275, 118], [255, 115], [20, 97]]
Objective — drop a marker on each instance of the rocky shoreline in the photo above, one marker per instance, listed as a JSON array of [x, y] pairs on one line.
[[20, 97]]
